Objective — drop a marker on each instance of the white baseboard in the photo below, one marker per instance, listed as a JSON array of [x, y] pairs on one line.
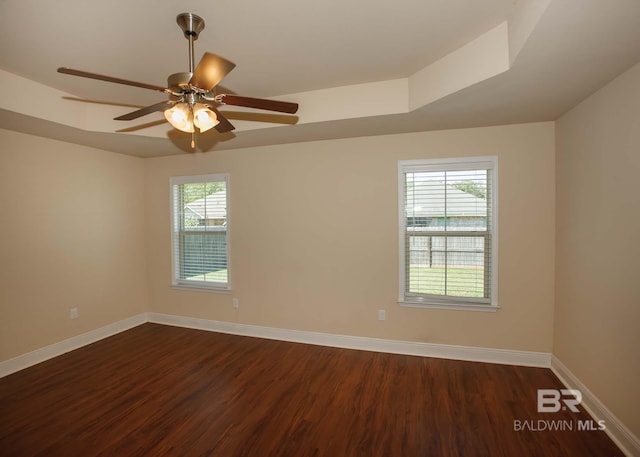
[[503, 356], [621, 435], [53, 350], [443, 351], [474, 354]]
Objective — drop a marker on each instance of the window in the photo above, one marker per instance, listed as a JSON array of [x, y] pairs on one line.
[[200, 227], [448, 239]]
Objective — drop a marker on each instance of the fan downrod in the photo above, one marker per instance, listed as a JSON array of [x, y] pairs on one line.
[[191, 24]]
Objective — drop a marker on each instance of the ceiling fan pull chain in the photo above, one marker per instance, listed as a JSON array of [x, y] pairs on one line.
[[193, 133]]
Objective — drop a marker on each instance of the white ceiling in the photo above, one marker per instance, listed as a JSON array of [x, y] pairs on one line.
[[393, 66]]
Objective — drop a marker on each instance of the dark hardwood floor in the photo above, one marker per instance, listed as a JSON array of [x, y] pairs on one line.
[[162, 391]]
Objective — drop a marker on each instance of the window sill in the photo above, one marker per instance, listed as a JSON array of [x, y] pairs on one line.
[[198, 288], [452, 306]]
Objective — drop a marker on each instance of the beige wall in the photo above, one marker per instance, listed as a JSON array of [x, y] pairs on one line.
[[597, 316], [314, 237], [71, 235], [73, 225]]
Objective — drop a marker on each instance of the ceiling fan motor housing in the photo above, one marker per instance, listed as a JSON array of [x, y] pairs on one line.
[[179, 82]]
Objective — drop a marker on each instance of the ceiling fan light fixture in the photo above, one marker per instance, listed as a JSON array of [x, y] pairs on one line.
[[180, 117], [204, 118], [192, 97]]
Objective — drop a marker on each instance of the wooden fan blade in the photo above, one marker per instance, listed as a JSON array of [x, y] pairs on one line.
[[224, 125], [146, 110], [111, 79], [260, 103], [210, 71]]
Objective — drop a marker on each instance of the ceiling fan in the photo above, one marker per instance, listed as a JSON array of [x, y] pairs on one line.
[[192, 99]]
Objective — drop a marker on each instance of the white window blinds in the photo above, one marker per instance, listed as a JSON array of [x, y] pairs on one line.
[[447, 231], [200, 231]]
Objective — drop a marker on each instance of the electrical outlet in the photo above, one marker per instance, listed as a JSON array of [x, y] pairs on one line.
[[235, 303], [382, 314], [73, 313]]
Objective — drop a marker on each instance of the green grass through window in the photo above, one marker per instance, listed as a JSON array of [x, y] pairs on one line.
[[212, 276], [460, 282]]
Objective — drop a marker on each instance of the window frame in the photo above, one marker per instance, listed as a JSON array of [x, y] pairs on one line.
[[449, 164], [176, 282]]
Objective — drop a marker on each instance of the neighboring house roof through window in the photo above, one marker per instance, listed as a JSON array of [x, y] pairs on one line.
[[212, 206], [427, 199]]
